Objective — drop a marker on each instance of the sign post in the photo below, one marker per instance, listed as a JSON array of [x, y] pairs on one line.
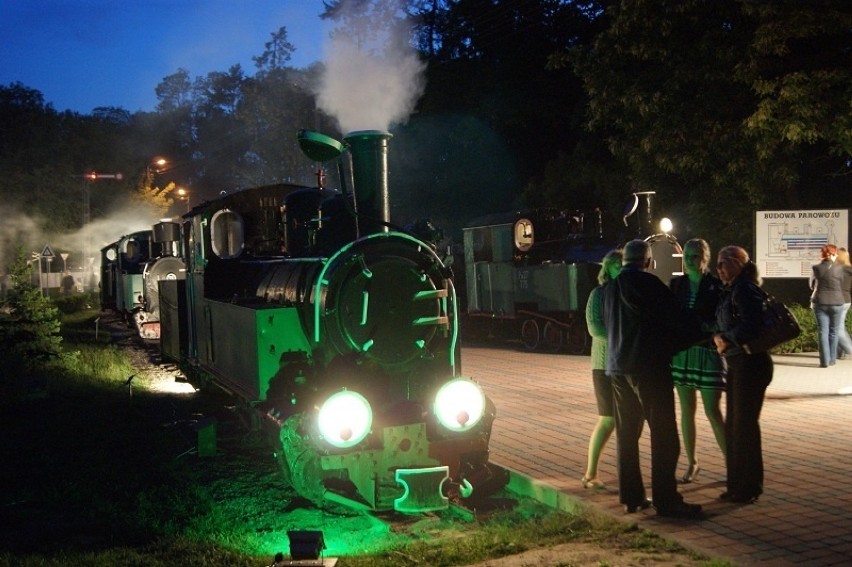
[[48, 255]]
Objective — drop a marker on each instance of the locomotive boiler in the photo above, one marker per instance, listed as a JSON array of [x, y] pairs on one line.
[[339, 331]]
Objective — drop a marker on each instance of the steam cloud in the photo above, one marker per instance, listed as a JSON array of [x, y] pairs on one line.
[[19, 229], [373, 76]]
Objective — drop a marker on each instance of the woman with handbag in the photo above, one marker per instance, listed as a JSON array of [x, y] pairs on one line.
[[748, 374], [827, 303]]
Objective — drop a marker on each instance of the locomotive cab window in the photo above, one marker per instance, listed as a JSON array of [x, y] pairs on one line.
[[524, 237], [226, 234], [131, 249]]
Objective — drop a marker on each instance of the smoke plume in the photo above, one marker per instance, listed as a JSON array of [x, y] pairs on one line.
[[19, 229], [373, 76]]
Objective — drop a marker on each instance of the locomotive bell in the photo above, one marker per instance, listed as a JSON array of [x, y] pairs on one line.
[[369, 151]]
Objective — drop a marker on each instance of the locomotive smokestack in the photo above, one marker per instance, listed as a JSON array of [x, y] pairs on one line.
[[166, 231], [369, 150]]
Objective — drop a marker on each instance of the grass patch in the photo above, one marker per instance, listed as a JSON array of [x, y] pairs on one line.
[[101, 478]]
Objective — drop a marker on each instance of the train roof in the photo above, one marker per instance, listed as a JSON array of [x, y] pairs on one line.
[[493, 219]]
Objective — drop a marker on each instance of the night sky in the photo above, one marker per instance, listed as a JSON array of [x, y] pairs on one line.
[[82, 54]]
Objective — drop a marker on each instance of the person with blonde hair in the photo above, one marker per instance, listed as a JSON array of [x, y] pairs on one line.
[[844, 341], [739, 318], [698, 368], [605, 425], [827, 303]]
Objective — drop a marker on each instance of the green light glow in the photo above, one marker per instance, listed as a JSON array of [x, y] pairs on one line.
[[365, 306], [373, 536], [322, 280], [459, 404], [422, 490], [345, 419], [454, 330]]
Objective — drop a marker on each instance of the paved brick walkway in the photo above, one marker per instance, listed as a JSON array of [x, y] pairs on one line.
[[546, 410]]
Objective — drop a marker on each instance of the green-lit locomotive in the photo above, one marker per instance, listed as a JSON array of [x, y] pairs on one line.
[[341, 333]]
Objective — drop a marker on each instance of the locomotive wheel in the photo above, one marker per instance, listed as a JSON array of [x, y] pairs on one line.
[[552, 336], [530, 334], [578, 340]]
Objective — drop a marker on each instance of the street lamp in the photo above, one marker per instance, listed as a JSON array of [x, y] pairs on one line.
[[157, 165], [183, 195], [86, 189]]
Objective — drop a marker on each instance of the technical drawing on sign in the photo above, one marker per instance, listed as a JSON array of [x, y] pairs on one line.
[[799, 238]]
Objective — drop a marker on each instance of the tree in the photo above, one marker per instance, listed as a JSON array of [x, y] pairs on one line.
[[43, 154], [157, 199], [706, 103], [277, 52], [800, 64], [488, 68], [29, 337], [174, 92], [274, 108]]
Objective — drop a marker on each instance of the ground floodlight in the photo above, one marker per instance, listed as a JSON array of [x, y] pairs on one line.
[[305, 544]]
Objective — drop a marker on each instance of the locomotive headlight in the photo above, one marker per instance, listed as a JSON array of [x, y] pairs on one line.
[[459, 404], [666, 225], [345, 419]]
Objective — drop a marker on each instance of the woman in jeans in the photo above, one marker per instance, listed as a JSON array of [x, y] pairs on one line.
[[827, 303], [844, 342], [747, 376]]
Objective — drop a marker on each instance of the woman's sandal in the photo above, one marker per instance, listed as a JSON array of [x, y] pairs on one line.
[[691, 474], [592, 483]]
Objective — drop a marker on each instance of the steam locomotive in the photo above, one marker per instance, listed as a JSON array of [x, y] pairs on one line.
[[528, 274], [131, 268], [338, 332]]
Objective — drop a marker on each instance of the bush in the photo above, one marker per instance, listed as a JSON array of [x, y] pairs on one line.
[[808, 341], [75, 302], [30, 342]]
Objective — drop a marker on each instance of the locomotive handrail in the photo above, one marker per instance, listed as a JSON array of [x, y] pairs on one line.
[[430, 294], [437, 320]]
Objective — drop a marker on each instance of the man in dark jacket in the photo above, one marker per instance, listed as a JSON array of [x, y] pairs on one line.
[[646, 325]]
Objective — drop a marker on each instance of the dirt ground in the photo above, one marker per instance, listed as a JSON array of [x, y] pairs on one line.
[[589, 555]]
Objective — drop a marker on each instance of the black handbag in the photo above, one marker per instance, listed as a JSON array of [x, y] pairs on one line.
[[778, 326]]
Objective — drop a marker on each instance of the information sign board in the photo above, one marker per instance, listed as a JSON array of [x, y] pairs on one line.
[[787, 243]]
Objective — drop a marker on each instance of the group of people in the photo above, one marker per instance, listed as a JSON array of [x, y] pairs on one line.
[[830, 281], [648, 340]]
